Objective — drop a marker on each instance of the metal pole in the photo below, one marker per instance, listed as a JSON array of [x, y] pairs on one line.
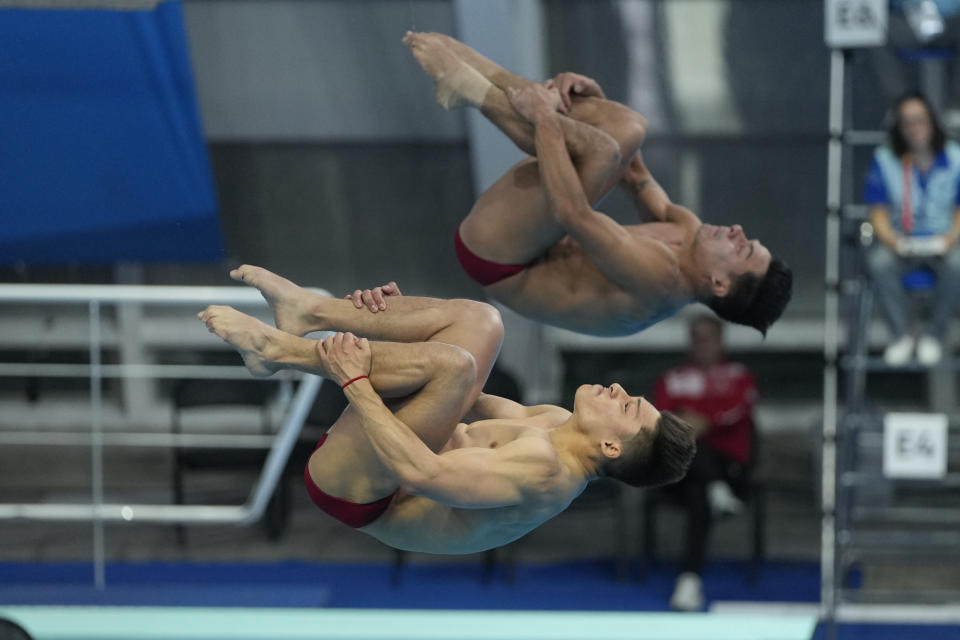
[[136, 439], [277, 458], [96, 446], [149, 294], [157, 371], [248, 513], [97, 511], [828, 579]]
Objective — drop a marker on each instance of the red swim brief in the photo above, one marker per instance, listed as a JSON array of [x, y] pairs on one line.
[[483, 271], [350, 513]]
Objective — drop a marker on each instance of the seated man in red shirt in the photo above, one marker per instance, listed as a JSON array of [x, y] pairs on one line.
[[717, 398]]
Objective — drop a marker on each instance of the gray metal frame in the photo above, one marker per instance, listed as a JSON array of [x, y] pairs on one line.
[[844, 435], [831, 343], [98, 512]]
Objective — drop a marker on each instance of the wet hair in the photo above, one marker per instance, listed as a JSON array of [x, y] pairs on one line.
[[754, 301], [650, 460], [897, 141]]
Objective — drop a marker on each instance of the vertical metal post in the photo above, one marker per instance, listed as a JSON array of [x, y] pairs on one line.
[[137, 395], [828, 563], [515, 30], [96, 446]]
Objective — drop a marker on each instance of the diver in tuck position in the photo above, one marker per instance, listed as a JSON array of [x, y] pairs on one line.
[[409, 472], [533, 239]]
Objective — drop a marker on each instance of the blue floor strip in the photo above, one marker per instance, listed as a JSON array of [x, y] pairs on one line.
[[574, 586], [581, 586]]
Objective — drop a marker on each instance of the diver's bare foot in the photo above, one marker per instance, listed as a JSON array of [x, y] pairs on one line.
[[290, 303], [250, 337], [457, 83], [487, 68]]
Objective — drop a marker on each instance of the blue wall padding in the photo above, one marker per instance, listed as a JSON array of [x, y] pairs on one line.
[[102, 153]]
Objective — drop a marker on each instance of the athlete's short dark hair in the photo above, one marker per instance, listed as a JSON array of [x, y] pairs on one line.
[[650, 460], [754, 301]]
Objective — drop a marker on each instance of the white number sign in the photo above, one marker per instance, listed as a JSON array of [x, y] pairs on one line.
[[855, 23], [915, 445]]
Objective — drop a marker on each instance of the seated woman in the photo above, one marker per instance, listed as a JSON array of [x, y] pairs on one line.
[[914, 191]]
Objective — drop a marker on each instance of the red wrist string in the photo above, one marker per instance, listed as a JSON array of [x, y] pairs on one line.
[[349, 382]]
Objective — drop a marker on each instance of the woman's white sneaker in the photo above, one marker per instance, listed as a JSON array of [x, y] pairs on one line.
[[929, 351], [899, 351]]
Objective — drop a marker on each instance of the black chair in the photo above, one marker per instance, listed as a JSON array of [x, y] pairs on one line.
[[606, 493], [754, 495], [195, 394], [756, 502]]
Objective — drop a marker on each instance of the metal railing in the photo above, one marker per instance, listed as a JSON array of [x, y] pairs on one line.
[[97, 511], [851, 530]]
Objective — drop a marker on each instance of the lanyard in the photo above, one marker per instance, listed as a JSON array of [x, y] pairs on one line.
[[906, 204]]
